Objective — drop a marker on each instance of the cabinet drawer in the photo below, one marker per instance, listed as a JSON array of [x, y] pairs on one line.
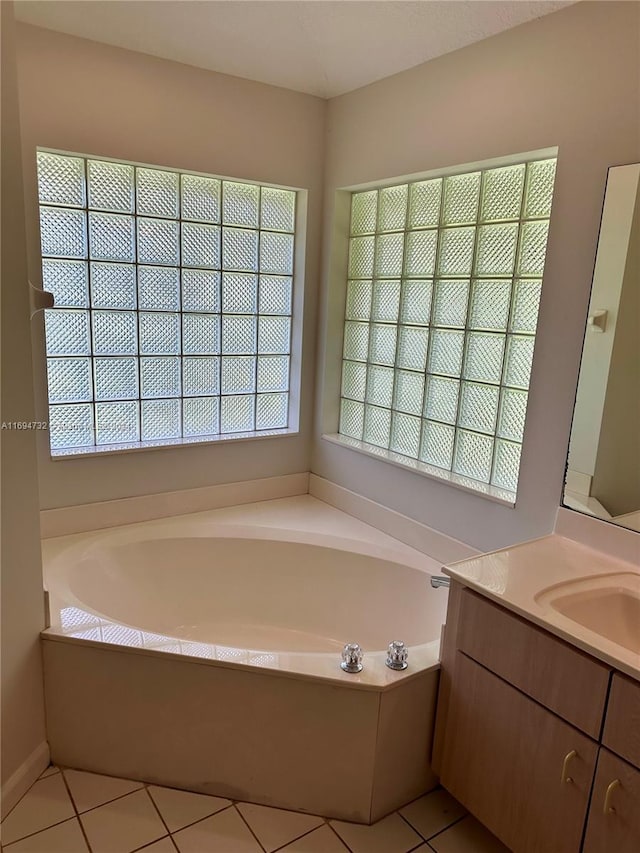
[[549, 670], [622, 724], [614, 821]]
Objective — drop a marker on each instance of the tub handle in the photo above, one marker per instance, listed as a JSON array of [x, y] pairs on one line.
[[352, 658], [397, 655]]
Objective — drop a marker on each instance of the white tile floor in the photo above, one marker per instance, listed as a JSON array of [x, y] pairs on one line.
[[70, 811]]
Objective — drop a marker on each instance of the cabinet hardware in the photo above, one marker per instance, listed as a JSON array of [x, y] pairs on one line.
[[565, 765], [608, 808]]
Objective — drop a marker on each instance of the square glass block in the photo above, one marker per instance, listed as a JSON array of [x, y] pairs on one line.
[[200, 198], [364, 208], [117, 423], [116, 378], [201, 416], [60, 179], [441, 399], [473, 455], [424, 203], [200, 290], [239, 249], [276, 292], [386, 300], [361, 252], [273, 373], [389, 255], [239, 293], [382, 346], [496, 253], [478, 407], [272, 411], [277, 209], [456, 251], [408, 392], [63, 232], [159, 333], [356, 341], [359, 295], [445, 354], [159, 288], [415, 306], [524, 317], [502, 193], [160, 419], [274, 335], [436, 447], [110, 186], [405, 435], [533, 247], [380, 385], [68, 281], [240, 204], [112, 237], [412, 347], [158, 242], [67, 332], [354, 380], [200, 376], [518, 362], [238, 374], [513, 410], [420, 257], [539, 191], [237, 413], [490, 301], [71, 426], [377, 426], [461, 194], [392, 208], [113, 286], [450, 303], [114, 333], [506, 465], [351, 419], [238, 335], [160, 377], [200, 334], [485, 354], [69, 380], [276, 253], [157, 193], [200, 245]]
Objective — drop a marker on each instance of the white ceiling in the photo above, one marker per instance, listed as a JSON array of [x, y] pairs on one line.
[[323, 47]]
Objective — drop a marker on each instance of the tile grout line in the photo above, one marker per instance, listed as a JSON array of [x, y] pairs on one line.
[[35, 782], [75, 808], [338, 836], [164, 823], [242, 817], [106, 802], [298, 837], [200, 819], [447, 828]]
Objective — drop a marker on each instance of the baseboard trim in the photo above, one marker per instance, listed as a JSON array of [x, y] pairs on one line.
[[96, 516], [23, 778], [438, 545]]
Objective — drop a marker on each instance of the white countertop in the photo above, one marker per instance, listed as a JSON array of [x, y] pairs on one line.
[[515, 577]]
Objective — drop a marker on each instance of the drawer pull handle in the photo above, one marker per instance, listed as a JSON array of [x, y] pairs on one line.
[[565, 765], [608, 808]]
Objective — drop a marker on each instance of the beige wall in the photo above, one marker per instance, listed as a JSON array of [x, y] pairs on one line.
[[82, 96], [22, 602], [570, 80]]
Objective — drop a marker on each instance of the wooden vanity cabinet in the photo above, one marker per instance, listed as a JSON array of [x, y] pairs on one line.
[[614, 817]]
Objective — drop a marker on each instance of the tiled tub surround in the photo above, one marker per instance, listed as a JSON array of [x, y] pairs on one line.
[[202, 652]]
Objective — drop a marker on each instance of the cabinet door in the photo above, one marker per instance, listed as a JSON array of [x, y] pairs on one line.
[[614, 820], [522, 771]]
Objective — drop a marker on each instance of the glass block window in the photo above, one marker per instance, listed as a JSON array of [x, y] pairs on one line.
[[173, 296], [443, 289]]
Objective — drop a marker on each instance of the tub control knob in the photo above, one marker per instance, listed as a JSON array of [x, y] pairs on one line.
[[352, 658], [397, 655]]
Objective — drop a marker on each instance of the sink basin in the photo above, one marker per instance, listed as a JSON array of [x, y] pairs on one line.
[[608, 605]]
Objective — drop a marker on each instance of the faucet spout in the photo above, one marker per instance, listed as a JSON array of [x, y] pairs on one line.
[[439, 580]]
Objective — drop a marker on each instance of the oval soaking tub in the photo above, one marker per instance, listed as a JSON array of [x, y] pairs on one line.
[[203, 652]]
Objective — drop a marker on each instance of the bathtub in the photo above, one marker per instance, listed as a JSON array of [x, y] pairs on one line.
[[203, 652]]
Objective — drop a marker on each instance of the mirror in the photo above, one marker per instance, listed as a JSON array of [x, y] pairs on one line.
[[603, 471]]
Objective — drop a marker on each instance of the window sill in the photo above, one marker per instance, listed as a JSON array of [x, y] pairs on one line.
[[465, 484], [136, 446]]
